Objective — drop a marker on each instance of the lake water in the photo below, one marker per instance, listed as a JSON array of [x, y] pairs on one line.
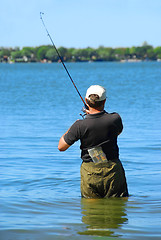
[[40, 186]]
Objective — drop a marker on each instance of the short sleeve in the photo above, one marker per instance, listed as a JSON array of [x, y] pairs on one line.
[[118, 123], [73, 134]]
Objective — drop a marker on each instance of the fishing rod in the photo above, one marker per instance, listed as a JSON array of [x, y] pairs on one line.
[[61, 60]]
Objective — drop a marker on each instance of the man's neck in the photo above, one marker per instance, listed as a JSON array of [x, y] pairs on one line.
[[94, 111]]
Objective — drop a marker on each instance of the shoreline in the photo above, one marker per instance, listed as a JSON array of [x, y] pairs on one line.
[[50, 62]]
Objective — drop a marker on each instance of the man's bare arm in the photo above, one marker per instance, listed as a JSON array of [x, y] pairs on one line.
[[63, 146]]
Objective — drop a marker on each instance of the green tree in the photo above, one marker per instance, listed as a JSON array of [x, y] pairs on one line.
[[1, 54], [51, 55], [41, 52], [151, 54], [127, 52], [120, 53], [141, 52], [76, 54], [91, 53], [28, 51], [104, 54], [157, 52], [5, 52], [16, 55], [83, 53], [70, 54], [132, 51], [63, 52]]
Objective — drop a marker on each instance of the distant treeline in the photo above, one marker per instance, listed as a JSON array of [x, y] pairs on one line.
[[48, 54]]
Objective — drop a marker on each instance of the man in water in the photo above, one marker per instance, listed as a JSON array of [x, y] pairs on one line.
[[102, 174]]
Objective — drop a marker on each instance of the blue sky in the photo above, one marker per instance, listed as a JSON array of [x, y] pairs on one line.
[[80, 23]]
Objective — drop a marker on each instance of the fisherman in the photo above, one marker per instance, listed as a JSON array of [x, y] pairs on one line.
[[102, 174]]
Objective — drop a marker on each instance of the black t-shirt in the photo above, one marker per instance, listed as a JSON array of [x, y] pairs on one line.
[[100, 129]]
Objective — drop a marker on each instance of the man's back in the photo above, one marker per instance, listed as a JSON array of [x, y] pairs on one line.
[[99, 129]]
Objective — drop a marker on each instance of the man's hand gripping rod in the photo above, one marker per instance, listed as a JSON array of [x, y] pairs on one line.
[[85, 106]]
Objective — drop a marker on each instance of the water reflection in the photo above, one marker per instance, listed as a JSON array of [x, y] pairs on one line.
[[103, 216]]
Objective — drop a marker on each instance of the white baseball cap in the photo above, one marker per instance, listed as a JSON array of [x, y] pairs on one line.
[[96, 89]]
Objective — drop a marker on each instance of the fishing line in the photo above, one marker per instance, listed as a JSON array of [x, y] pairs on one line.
[[48, 34]]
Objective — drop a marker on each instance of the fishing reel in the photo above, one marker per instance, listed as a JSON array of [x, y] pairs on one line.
[[84, 111]]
